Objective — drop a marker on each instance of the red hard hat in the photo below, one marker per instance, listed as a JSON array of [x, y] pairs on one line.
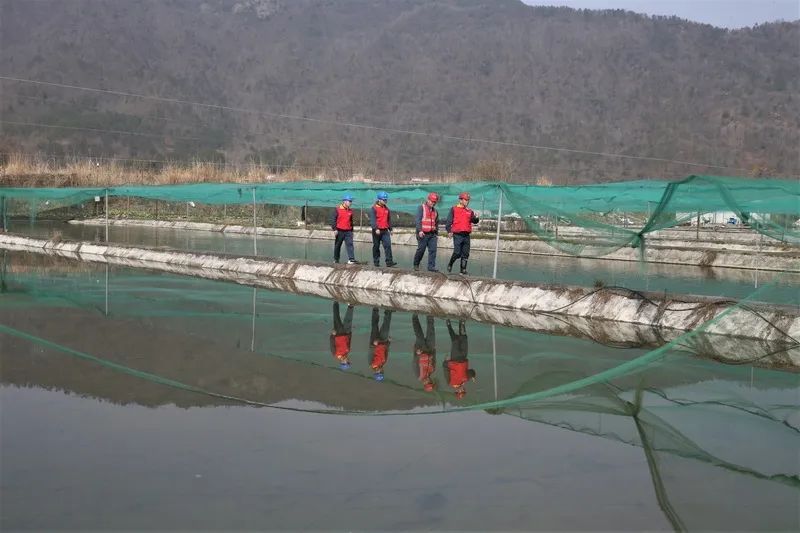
[[464, 196], [433, 197]]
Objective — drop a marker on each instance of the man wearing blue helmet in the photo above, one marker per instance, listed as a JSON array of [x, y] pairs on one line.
[[342, 226], [380, 218]]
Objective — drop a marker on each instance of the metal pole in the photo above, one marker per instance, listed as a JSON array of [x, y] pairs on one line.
[[255, 246], [497, 234], [494, 361], [305, 215], [3, 212], [106, 214], [253, 335], [106, 289]]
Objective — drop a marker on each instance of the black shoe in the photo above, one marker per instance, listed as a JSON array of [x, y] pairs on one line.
[[464, 273], [390, 264], [450, 268], [416, 268], [433, 270], [353, 262], [377, 264]]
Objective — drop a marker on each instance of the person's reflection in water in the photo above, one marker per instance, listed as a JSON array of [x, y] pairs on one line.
[[342, 335], [425, 352], [379, 342], [456, 367]]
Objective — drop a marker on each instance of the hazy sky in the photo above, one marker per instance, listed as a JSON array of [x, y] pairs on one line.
[[723, 13]]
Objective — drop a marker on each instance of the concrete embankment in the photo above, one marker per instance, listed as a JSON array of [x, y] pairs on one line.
[[609, 315], [725, 249]]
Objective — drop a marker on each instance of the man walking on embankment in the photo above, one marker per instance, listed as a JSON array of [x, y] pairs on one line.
[[342, 226], [459, 226], [380, 219], [427, 232]]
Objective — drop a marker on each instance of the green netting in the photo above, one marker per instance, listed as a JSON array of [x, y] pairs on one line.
[[583, 220]]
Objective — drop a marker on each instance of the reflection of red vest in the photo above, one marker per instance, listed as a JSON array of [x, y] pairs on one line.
[[380, 352], [462, 220], [458, 373], [426, 366], [344, 218], [428, 218], [341, 344], [381, 216]]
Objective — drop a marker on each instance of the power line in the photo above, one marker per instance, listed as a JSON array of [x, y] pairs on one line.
[[98, 130], [371, 127]]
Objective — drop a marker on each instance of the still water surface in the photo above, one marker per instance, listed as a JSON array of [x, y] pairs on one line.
[[129, 409]]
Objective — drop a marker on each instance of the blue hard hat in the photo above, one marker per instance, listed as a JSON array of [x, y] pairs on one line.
[[378, 376], [383, 195], [347, 198], [344, 366]]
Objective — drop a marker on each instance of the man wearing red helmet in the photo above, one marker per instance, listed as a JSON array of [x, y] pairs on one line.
[[456, 367], [427, 231], [424, 352], [459, 226]]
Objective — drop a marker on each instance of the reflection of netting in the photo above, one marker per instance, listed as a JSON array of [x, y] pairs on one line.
[[684, 435], [593, 214]]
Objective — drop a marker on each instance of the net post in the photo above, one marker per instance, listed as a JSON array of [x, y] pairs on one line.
[[255, 233], [497, 233], [3, 213], [305, 216], [106, 212], [697, 230]]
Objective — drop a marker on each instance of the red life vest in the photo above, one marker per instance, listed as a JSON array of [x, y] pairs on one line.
[[462, 220], [380, 353], [458, 373], [428, 218], [344, 218], [341, 344], [381, 216], [426, 366]]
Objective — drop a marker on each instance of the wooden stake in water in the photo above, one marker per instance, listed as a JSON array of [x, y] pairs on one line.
[[497, 234], [255, 233]]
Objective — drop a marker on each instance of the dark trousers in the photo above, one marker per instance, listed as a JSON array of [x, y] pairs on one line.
[[384, 238], [459, 343], [426, 341], [346, 237], [460, 248], [380, 333], [429, 242], [342, 328]]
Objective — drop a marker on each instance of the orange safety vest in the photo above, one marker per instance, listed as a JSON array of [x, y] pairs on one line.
[[462, 219], [344, 218], [341, 344], [426, 366], [458, 373], [381, 216], [380, 353], [428, 218]]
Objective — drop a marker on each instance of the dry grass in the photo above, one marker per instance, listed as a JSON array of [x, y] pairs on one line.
[[24, 170]]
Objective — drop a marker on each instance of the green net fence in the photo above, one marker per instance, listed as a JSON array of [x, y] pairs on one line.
[[591, 220]]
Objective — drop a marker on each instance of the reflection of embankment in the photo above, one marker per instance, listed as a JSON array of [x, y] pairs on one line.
[[758, 334], [196, 361]]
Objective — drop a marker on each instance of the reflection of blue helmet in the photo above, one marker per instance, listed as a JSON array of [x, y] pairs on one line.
[[344, 366], [383, 195], [347, 198], [378, 376]]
